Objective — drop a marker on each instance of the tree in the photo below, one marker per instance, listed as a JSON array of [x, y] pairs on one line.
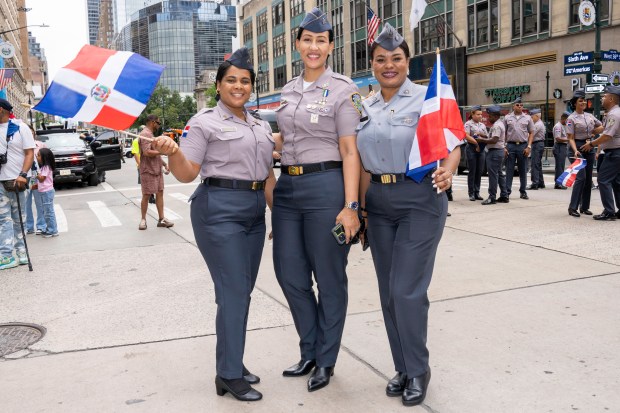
[[172, 110], [210, 96]]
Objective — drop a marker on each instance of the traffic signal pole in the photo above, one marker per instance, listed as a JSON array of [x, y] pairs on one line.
[[597, 54]]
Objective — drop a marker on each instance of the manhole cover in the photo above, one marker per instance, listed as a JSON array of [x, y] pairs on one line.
[[15, 337]]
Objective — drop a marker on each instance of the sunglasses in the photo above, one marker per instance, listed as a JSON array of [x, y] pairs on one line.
[[518, 104]]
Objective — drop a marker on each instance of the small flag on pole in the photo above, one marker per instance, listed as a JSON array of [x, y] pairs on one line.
[[570, 174], [418, 7], [104, 87], [373, 25], [440, 128], [6, 77]]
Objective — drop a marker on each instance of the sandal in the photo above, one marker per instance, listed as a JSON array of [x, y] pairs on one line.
[[164, 223], [142, 225]]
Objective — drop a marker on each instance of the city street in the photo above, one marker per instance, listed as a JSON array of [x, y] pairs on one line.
[[525, 315]]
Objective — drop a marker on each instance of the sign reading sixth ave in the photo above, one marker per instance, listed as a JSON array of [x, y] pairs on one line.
[[577, 70], [595, 88], [578, 57]]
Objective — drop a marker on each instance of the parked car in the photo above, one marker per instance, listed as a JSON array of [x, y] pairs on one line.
[[76, 160], [270, 116]]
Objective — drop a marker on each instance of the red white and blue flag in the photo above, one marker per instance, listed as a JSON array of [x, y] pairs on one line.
[[185, 132], [6, 77], [440, 128], [570, 174], [104, 87], [372, 25]]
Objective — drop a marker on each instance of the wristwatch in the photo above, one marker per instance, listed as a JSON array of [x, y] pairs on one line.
[[354, 205], [23, 174], [529, 146]]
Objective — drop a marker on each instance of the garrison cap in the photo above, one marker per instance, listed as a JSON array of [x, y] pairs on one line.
[[517, 100], [316, 21], [565, 114], [579, 93], [614, 90], [475, 108], [4, 104], [495, 110], [241, 59], [535, 112], [389, 38]]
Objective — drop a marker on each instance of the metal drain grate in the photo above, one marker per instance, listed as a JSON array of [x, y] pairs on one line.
[[18, 336]]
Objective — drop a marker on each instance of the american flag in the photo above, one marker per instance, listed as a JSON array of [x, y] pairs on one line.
[[373, 25], [6, 77]]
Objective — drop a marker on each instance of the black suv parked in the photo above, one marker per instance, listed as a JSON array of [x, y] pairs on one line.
[[78, 160]]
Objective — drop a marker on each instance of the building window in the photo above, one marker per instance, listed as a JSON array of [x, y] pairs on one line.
[[247, 32], [359, 56], [390, 8], [261, 24], [262, 83], [482, 24], [297, 7], [277, 14], [297, 67], [574, 11], [358, 14], [279, 46], [293, 38], [338, 54], [529, 17], [432, 33], [279, 77], [263, 52]]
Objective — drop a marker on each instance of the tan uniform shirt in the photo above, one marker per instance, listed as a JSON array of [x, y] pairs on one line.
[[612, 128], [539, 131], [581, 125], [475, 128], [518, 128], [559, 131], [498, 129]]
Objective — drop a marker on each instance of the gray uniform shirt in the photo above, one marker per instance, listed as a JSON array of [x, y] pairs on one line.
[[475, 128], [612, 128], [228, 147], [311, 121], [384, 140], [539, 131], [581, 125], [518, 128], [498, 129], [559, 131]]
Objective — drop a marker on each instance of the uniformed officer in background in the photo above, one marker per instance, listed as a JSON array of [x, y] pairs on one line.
[[560, 148], [609, 140], [538, 147], [496, 144], [231, 150], [475, 133], [581, 126], [519, 137], [317, 189]]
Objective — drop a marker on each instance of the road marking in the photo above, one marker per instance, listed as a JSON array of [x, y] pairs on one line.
[[107, 187], [105, 216], [168, 213], [180, 196], [61, 219]]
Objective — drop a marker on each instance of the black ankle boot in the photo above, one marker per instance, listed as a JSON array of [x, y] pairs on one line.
[[320, 378], [238, 388]]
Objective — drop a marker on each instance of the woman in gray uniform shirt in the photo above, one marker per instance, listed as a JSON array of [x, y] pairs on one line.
[[318, 188], [232, 152], [405, 218]]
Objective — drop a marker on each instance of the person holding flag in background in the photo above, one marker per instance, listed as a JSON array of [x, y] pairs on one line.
[[404, 132]]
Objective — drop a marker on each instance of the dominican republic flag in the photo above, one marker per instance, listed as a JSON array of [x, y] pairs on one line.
[[440, 128], [104, 87], [372, 25], [570, 174]]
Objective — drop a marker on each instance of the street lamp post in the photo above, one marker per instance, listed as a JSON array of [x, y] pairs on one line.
[[23, 27], [30, 110], [259, 77]]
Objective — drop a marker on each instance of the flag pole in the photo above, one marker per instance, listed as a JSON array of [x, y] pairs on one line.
[[438, 83]]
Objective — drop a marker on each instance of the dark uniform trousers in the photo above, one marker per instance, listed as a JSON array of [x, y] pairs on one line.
[[582, 188], [559, 154], [475, 163], [538, 148], [495, 159], [406, 222], [304, 212], [609, 180], [515, 153], [229, 227]]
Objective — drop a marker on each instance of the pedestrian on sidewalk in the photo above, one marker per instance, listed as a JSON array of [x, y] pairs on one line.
[[33, 194], [232, 152], [405, 218], [496, 146], [46, 161], [538, 147], [152, 180], [16, 153], [475, 133], [560, 148]]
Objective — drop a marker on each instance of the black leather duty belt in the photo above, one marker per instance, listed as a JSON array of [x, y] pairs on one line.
[[309, 168], [235, 184], [388, 178], [518, 143]]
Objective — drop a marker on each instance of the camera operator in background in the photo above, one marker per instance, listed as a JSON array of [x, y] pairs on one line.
[[16, 156]]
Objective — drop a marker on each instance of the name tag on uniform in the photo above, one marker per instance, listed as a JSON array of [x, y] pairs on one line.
[[314, 118], [228, 129]]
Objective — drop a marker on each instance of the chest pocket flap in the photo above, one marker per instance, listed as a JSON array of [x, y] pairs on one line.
[[404, 119], [321, 110], [228, 135]]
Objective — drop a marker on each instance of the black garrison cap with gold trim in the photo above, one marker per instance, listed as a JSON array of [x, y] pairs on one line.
[[389, 38], [316, 21], [241, 59]]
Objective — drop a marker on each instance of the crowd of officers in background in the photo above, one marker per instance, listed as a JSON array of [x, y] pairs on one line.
[[520, 137]]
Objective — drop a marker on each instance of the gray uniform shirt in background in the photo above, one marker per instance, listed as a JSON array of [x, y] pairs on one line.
[[539, 131], [475, 128], [518, 128], [312, 121], [612, 128], [385, 139], [498, 129], [228, 147], [581, 125], [559, 131]]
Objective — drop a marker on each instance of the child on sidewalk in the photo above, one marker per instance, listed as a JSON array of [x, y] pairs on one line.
[[45, 157]]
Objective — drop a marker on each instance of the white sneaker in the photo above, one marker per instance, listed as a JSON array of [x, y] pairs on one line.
[[22, 258]]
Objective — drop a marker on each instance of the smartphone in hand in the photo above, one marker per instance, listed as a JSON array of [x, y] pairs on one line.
[[338, 233]]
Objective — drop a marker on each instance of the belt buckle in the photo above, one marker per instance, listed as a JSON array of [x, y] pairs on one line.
[[295, 170], [256, 185], [388, 178]]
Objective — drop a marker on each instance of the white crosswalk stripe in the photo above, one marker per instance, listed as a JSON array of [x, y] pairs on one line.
[[105, 216], [168, 213], [180, 196], [61, 219]]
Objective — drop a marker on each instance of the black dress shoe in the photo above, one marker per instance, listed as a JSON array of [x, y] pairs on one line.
[[449, 194], [488, 201], [605, 216], [249, 377], [541, 186], [415, 390], [503, 199], [472, 198], [585, 211], [524, 196], [559, 187], [573, 213], [478, 197], [618, 214], [238, 388], [300, 369], [396, 386], [320, 378], [449, 214], [533, 187]]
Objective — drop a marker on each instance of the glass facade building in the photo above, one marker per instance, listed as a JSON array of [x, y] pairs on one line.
[[187, 37]]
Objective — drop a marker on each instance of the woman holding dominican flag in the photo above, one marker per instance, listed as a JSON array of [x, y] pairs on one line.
[[406, 216]]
